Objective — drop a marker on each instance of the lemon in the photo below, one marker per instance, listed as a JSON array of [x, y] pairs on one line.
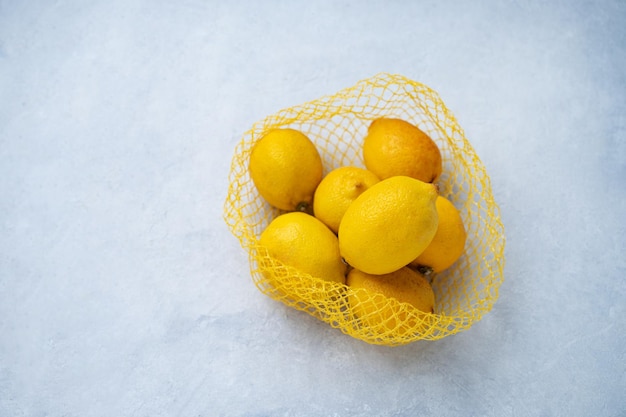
[[388, 225], [372, 306], [301, 241], [286, 167], [396, 147], [338, 189], [449, 242]]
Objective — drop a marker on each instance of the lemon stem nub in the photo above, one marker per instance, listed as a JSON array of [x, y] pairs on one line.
[[425, 270], [304, 207]]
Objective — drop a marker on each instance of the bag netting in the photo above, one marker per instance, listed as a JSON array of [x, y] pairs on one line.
[[337, 125]]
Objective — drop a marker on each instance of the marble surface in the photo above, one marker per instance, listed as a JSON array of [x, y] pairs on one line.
[[122, 292]]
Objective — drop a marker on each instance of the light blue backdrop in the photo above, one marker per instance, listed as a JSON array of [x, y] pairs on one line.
[[122, 292]]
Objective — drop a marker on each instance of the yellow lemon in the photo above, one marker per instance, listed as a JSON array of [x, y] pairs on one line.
[[286, 167], [388, 225], [373, 308], [301, 241], [338, 189], [396, 147], [449, 242]]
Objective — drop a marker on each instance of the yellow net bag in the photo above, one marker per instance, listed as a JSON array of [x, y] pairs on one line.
[[337, 125]]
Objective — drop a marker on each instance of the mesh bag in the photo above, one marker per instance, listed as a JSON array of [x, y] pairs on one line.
[[337, 125]]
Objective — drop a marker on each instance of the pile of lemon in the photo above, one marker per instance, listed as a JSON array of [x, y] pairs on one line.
[[383, 228]]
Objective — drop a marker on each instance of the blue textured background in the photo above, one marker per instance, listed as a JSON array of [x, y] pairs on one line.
[[122, 292]]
